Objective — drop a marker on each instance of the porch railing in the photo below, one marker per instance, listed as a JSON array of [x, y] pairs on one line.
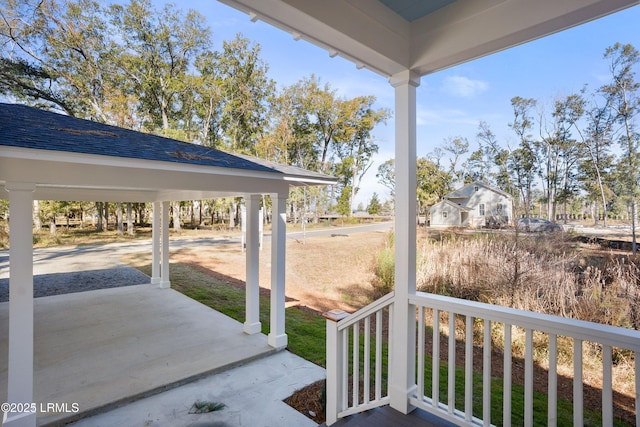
[[476, 327], [357, 360], [490, 316]]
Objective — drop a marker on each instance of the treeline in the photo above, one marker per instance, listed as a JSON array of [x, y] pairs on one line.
[[580, 155], [123, 217], [137, 67]]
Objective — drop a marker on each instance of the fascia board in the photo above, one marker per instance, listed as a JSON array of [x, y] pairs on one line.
[[123, 162], [88, 176], [362, 31]]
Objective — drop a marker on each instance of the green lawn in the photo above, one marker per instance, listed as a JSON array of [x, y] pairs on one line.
[[540, 400]]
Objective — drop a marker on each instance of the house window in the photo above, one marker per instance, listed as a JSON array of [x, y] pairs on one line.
[[476, 188], [445, 214], [481, 209], [499, 208]]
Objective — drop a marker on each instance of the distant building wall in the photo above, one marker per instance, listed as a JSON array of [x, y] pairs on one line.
[[444, 215]]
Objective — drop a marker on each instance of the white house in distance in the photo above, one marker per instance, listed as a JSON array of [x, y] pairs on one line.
[[474, 205]]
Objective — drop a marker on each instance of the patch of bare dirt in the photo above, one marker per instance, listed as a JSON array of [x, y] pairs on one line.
[[322, 273]]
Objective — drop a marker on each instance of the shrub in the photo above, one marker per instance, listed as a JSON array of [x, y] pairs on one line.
[[384, 269]]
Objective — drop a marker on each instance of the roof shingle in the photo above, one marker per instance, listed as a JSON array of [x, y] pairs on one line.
[[27, 127]]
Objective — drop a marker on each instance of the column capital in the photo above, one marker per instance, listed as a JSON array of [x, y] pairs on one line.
[[281, 196], [253, 197], [405, 77]]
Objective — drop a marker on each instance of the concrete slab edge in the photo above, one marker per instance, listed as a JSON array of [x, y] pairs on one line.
[[157, 390]]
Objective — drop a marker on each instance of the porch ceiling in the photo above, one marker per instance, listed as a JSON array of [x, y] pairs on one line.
[[390, 36], [73, 159]]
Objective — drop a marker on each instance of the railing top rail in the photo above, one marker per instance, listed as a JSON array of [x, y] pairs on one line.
[[366, 311], [588, 331]]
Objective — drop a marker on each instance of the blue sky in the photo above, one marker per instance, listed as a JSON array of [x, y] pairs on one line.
[[451, 102]]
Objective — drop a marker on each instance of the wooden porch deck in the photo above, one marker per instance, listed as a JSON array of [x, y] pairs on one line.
[[386, 416]]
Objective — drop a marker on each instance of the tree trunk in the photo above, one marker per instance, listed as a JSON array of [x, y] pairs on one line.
[[105, 212], [119, 226], [634, 221], [142, 215], [36, 215], [232, 215], [176, 216], [129, 220], [294, 212], [99, 210], [265, 216]]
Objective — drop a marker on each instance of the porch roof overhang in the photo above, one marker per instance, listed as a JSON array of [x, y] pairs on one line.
[[74, 159], [391, 36]]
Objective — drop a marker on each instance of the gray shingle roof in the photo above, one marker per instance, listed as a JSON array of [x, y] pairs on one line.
[[459, 193], [27, 127]]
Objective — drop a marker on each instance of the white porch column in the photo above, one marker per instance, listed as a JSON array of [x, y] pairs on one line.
[[252, 321], [402, 376], [156, 232], [20, 369], [164, 270], [277, 336]]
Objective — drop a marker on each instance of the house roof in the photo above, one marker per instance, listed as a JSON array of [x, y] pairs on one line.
[[451, 204], [424, 36], [64, 155], [28, 127], [459, 193]]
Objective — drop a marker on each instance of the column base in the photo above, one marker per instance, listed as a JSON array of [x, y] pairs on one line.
[[164, 284], [277, 341], [399, 398], [252, 328], [155, 280]]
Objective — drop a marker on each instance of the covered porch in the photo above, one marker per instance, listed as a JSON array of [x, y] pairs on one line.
[[404, 41], [48, 156], [105, 348]]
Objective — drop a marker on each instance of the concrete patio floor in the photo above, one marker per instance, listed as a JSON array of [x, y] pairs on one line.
[[253, 396], [106, 348]]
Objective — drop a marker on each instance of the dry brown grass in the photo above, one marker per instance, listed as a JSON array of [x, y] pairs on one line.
[[544, 274]]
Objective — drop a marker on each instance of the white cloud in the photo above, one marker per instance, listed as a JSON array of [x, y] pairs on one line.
[[463, 87]]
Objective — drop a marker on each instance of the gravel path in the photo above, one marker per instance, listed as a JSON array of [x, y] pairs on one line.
[[76, 269]]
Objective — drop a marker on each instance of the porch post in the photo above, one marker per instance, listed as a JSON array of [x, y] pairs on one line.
[[402, 375], [252, 321], [277, 336], [164, 270], [155, 243], [20, 367]]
